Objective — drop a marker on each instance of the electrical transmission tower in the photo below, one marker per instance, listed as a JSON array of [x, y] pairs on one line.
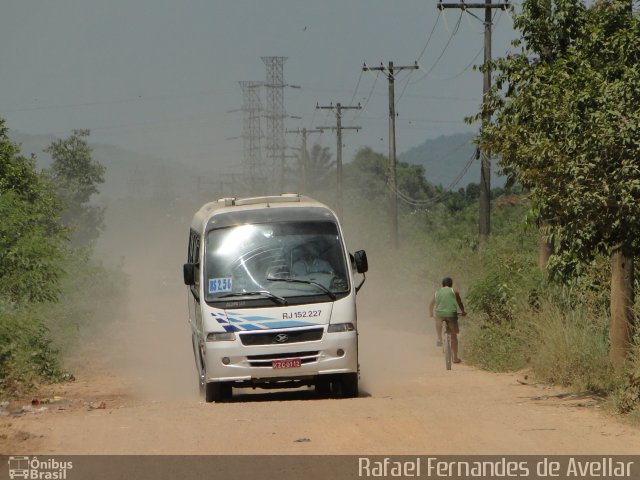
[[485, 165], [275, 114], [251, 133]]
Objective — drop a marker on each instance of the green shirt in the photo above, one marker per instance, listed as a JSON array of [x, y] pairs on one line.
[[446, 304]]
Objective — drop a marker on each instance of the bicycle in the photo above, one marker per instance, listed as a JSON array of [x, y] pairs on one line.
[[446, 341]]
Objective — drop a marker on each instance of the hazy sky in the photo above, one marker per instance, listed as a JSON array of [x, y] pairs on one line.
[[159, 76]]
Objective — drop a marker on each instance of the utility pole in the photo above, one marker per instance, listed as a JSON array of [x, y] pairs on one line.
[[393, 184], [338, 129], [485, 161], [304, 157]]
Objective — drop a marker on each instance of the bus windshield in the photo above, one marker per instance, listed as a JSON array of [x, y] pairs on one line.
[[283, 259]]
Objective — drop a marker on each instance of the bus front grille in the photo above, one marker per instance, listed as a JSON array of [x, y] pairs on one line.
[[279, 338]]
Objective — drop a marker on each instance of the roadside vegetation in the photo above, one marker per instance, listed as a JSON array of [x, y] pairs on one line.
[[553, 289], [552, 324], [564, 126], [555, 328], [51, 286]]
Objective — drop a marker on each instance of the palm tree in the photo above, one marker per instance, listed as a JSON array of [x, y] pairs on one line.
[[320, 169]]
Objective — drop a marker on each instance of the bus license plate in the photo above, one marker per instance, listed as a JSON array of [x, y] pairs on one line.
[[288, 363]]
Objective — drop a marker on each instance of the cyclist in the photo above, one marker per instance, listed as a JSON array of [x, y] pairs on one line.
[[446, 302]]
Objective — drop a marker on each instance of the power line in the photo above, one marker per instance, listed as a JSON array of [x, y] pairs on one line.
[[469, 65], [390, 70], [453, 33], [424, 203], [338, 108], [356, 89], [424, 49], [137, 99], [485, 166], [366, 102]]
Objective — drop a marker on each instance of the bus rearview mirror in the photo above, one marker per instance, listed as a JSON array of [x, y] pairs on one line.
[[188, 272], [362, 265]]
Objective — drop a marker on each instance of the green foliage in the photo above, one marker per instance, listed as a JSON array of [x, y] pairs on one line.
[[570, 347], [31, 239], [26, 351], [566, 123], [494, 298], [50, 294], [30, 258], [92, 294], [75, 177], [497, 347], [519, 318], [510, 277], [321, 169], [626, 398], [34, 337], [366, 177]]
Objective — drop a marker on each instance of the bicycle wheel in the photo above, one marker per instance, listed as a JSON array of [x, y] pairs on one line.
[[446, 342]]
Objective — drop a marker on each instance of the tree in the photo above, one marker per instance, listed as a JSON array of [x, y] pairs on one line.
[[368, 175], [321, 169], [76, 178], [567, 125], [31, 237]]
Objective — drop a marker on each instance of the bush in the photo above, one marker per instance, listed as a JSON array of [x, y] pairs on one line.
[[557, 328], [626, 398], [34, 337], [572, 349], [494, 347], [493, 298], [92, 294], [27, 353]]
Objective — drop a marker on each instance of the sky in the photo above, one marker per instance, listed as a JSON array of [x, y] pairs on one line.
[[161, 77]]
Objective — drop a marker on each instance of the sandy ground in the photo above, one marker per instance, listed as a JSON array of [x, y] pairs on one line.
[[136, 392], [463, 411]]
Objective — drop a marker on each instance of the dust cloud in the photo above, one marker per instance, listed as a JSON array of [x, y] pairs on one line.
[[150, 344], [396, 334]]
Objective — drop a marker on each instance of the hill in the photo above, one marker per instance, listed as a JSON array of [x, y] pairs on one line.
[[128, 174], [131, 174], [444, 158]]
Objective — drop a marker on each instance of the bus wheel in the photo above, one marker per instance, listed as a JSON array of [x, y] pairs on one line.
[[349, 384], [323, 385], [218, 392]]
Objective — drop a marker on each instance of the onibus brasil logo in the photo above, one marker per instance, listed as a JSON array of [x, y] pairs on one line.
[[32, 468]]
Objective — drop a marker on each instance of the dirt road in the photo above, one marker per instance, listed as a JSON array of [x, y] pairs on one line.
[[136, 392], [463, 411]]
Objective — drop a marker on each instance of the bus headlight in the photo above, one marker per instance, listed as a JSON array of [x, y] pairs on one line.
[[221, 337], [340, 327]]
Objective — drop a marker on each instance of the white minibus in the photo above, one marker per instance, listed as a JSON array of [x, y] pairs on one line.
[[272, 297]]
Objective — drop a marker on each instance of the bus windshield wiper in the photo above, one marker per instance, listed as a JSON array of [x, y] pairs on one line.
[[308, 282], [266, 293]]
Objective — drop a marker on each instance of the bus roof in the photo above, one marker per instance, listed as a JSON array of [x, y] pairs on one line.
[[244, 210]]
